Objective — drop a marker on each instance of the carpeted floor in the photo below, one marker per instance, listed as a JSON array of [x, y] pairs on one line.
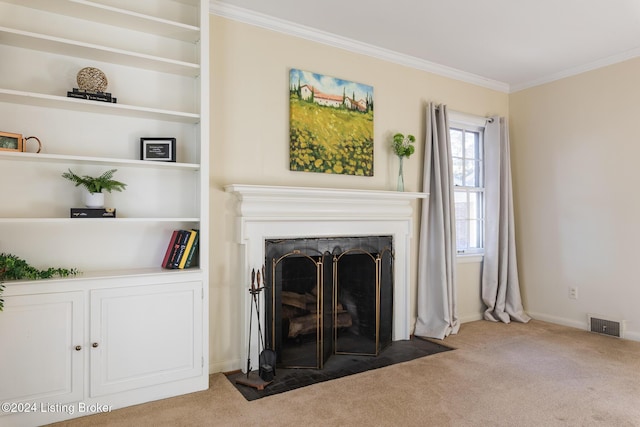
[[339, 366], [522, 375]]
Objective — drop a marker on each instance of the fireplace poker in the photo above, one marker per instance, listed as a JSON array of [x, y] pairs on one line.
[[267, 360], [253, 278], [255, 292]]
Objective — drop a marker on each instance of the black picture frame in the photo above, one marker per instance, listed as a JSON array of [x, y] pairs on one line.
[[158, 149]]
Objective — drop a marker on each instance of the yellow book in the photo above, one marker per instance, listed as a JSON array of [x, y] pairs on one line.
[[187, 248]]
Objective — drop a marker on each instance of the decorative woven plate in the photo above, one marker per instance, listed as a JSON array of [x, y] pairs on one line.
[[91, 79]]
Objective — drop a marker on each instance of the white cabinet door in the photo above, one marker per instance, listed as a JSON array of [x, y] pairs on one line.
[[41, 355], [145, 335]]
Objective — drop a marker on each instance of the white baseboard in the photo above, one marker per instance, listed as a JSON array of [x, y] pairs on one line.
[[225, 366], [633, 336], [559, 320], [232, 365], [629, 335], [471, 317]]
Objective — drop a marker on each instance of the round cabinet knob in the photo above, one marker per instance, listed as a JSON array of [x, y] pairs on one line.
[[94, 345], [78, 347]]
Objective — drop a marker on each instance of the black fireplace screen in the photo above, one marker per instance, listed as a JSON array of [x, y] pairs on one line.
[[328, 296]]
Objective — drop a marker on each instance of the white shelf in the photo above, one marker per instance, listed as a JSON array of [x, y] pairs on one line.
[[54, 101], [105, 14], [59, 158], [102, 220], [109, 274], [62, 46]]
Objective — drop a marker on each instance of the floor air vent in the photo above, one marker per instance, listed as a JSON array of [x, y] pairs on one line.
[[609, 327]]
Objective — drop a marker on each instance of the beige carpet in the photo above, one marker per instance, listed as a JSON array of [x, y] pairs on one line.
[[534, 374]]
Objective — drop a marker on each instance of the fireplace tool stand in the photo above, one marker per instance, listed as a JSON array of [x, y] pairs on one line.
[[267, 357]]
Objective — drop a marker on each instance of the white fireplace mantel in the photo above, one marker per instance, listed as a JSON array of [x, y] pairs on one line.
[[300, 202], [275, 212]]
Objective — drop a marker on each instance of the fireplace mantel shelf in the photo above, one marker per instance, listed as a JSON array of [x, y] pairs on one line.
[[281, 201], [244, 190]]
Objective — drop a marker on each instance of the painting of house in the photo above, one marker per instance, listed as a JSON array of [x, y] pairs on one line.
[[331, 125]]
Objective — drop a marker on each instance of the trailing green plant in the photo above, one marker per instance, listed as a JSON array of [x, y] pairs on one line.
[[13, 267], [96, 184], [403, 145]]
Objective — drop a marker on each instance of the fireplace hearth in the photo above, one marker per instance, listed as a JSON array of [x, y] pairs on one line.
[[327, 296]]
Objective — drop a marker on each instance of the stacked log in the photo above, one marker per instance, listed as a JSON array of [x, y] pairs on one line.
[[301, 310]]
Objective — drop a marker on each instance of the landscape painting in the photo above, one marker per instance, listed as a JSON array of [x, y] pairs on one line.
[[331, 125]]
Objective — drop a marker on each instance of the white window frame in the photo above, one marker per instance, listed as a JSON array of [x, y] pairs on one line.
[[473, 126]]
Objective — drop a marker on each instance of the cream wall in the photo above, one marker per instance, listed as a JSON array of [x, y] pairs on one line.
[[250, 134], [576, 156]]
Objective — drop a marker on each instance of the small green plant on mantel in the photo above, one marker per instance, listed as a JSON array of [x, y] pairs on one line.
[[403, 147], [96, 184], [15, 268]]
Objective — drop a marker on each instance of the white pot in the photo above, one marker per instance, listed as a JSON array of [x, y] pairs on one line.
[[93, 200]]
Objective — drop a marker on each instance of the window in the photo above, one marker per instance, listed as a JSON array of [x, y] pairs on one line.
[[468, 178]]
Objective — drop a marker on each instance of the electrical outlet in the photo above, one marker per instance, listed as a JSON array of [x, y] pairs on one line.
[[573, 292]]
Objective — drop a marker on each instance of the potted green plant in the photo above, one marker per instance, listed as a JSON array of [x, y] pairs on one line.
[[94, 186], [402, 147], [15, 268]]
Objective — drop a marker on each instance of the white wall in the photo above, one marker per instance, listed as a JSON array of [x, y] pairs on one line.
[[575, 154], [470, 305], [250, 143]]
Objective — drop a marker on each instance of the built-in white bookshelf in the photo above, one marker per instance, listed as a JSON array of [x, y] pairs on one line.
[[155, 55]]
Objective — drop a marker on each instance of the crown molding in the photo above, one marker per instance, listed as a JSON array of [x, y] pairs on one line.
[[600, 63], [308, 33]]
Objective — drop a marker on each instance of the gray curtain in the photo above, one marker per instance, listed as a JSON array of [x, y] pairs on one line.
[[500, 286], [437, 312]]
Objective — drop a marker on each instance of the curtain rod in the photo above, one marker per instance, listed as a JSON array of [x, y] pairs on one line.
[[467, 118], [488, 119]]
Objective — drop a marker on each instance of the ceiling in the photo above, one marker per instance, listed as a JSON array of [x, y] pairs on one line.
[[504, 44]]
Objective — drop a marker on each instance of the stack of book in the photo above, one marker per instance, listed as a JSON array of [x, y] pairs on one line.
[[182, 251], [92, 96], [92, 213]]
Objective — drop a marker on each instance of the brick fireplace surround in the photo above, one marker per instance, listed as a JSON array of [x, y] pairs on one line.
[[274, 212]]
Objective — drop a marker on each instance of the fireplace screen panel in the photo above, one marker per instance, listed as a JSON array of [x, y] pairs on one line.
[[386, 297], [328, 296], [356, 298], [296, 320]]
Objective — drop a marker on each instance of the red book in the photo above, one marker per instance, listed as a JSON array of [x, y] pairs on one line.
[[170, 247], [175, 249]]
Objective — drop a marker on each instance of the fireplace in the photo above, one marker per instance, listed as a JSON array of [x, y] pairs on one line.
[[327, 296], [270, 213]]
